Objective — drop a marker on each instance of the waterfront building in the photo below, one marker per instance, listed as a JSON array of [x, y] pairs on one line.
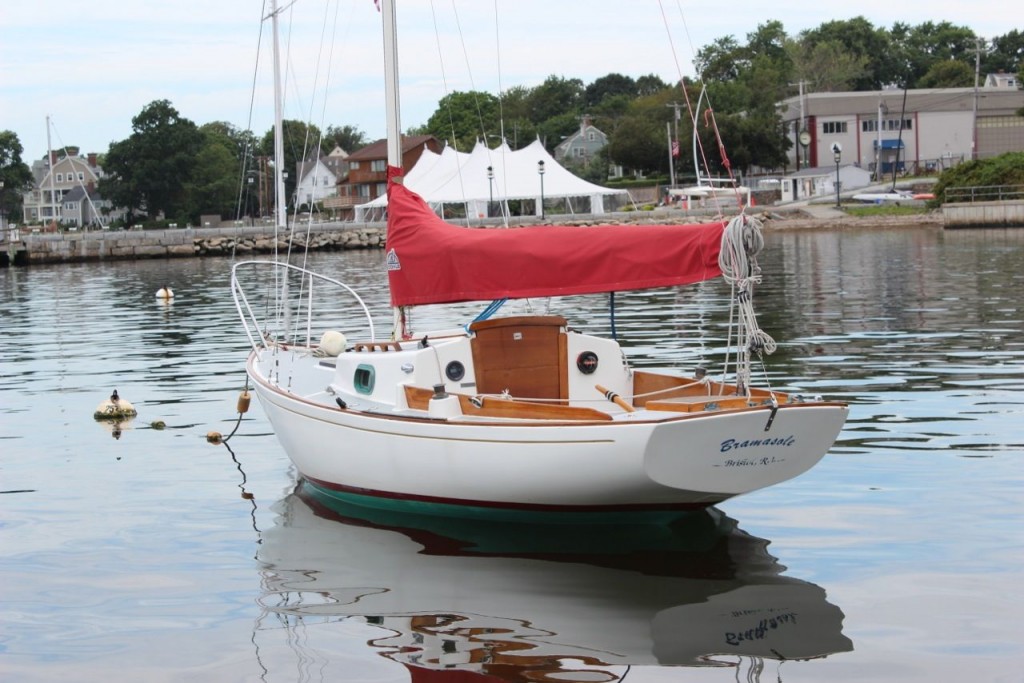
[[913, 131]]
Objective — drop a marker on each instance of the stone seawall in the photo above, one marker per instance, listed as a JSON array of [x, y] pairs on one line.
[[126, 245]]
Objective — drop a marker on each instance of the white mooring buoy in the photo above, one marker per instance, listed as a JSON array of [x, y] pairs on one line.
[[114, 408]]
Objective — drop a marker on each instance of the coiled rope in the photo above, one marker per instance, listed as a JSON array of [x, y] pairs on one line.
[[742, 241]]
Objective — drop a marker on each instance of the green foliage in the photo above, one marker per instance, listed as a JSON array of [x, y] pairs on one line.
[[213, 185], [462, 118], [947, 74], [349, 138], [15, 175], [148, 172], [556, 96], [887, 209], [827, 66], [929, 44], [1006, 54], [861, 40], [301, 141], [1005, 169]]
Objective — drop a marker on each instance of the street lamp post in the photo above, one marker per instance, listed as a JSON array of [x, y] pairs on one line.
[[837, 153], [540, 172], [490, 189]]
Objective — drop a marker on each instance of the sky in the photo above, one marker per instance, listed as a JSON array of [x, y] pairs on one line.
[[91, 66]]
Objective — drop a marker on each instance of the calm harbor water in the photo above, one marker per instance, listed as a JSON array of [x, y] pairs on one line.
[[147, 554]]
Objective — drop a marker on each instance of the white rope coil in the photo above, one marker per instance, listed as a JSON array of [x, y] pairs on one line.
[[742, 241]]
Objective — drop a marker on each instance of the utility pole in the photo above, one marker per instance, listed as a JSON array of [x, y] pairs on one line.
[[974, 113], [671, 161], [878, 139], [802, 135]]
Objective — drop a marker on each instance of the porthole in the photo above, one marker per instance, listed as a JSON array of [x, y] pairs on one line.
[[363, 379], [587, 362], [455, 371]]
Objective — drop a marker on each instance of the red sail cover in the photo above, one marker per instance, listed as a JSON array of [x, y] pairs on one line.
[[430, 261]]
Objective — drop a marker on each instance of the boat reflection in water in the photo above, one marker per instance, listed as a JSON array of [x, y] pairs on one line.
[[526, 603]]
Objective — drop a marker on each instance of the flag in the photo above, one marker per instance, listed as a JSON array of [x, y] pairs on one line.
[[675, 148]]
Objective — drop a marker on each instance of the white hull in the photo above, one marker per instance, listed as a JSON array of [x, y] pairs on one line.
[[639, 460]]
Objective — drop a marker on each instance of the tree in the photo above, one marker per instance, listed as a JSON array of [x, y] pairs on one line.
[[300, 141], [948, 73], [1005, 54], [649, 85], [612, 85], [214, 185], [720, 61], [639, 141], [462, 118], [349, 138], [639, 144], [861, 40], [928, 44], [556, 96], [149, 170], [15, 175], [828, 66]]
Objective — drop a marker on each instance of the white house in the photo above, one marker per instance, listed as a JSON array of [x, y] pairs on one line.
[[54, 177], [318, 179]]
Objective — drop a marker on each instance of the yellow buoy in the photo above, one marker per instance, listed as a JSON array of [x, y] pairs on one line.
[[164, 293]]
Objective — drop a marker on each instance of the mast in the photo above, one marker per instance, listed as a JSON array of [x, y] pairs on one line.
[[696, 118], [281, 203], [391, 102]]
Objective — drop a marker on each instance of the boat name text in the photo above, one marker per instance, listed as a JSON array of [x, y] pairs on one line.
[[760, 632], [734, 445]]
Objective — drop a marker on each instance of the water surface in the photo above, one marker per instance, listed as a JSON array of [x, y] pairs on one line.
[[146, 553]]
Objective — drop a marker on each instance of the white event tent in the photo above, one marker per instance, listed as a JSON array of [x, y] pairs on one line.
[[463, 178]]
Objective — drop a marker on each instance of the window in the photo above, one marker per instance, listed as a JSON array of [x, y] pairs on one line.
[[81, 176], [363, 379], [382, 189], [591, 136], [354, 165], [60, 177], [868, 126], [378, 165], [325, 181], [834, 127]]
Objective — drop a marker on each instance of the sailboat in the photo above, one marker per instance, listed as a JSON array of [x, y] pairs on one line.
[[518, 416], [708, 192]]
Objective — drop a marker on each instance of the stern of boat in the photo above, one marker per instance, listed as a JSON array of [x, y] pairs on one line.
[[737, 452]]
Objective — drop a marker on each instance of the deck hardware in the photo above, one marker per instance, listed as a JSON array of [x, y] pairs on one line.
[[771, 416]]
